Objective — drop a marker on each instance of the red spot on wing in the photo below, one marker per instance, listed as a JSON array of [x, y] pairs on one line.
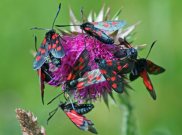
[[146, 80], [114, 23], [98, 78], [87, 28], [114, 85], [81, 67], [40, 49], [54, 46], [81, 60], [49, 47], [38, 58], [43, 51], [90, 77], [58, 48], [44, 41], [80, 85], [71, 76], [109, 62], [106, 25], [103, 71], [114, 72], [77, 119], [119, 67], [54, 36], [113, 78]]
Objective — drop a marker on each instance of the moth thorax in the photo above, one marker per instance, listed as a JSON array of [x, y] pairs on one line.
[[110, 40], [56, 62], [132, 52], [86, 25], [121, 53], [97, 60], [47, 73], [62, 105], [73, 83], [49, 34], [141, 64], [85, 108]]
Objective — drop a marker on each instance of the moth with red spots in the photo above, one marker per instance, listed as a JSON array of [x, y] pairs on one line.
[[89, 78], [46, 76], [81, 108], [75, 114], [100, 30], [79, 68], [51, 45], [109, 26], [142, 68], [110, 70], [129, 52], [80, 77]]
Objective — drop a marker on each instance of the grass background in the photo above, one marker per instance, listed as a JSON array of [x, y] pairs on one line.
[[161, 20]]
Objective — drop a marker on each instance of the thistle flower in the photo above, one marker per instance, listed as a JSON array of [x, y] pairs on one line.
[[75, 42]]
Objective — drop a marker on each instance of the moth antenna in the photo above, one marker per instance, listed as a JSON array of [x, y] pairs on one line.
[[51, 114], [67, 25], [59, 8], [55, 98], [36, 28], [151, 48], [35, 38]]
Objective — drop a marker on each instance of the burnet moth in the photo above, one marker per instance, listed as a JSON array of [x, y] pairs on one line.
[[100, 30], [142, 68], [75, 114], [50, 46]]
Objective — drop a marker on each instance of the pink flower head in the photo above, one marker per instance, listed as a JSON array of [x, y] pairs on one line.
[[73, 46], [74, 43]]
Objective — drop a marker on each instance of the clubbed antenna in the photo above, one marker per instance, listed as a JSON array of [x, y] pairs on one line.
[[59, 8], [35, 38], [151, 48], [36, 28], [65, 25]]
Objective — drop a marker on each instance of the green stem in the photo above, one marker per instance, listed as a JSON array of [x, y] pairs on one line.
[[129, 122]]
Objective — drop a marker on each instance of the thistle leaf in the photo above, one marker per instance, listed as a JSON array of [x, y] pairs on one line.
[[140, 47], [100, 16], [107, 14], [116, 16], [105, 98], [90, 18]]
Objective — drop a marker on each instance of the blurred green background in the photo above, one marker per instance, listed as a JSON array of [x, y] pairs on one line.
[[19, 87]]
